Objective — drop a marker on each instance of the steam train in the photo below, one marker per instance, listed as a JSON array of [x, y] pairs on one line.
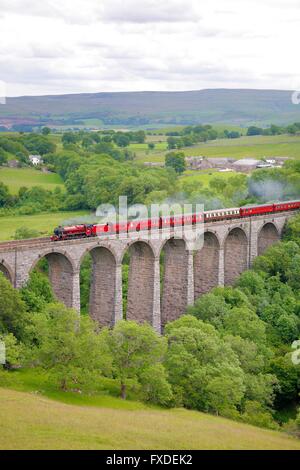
[[98, 230]]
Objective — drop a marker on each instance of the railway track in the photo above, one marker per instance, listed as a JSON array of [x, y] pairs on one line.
[[16, 244], [22, 243]]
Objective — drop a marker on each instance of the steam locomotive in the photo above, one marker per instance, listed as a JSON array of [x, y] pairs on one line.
[[96, 230]]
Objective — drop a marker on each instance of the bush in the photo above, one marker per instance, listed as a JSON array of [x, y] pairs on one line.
[[154, 385], [258, 416], [25, 232]]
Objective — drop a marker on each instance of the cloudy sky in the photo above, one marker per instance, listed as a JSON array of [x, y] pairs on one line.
[[66, 46]]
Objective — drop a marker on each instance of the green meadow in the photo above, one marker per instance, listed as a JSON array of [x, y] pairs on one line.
[[15, 178], [32, 421], [43, 223], [205, 176]]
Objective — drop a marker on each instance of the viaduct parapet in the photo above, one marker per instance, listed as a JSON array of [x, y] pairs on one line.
[[229, 248]]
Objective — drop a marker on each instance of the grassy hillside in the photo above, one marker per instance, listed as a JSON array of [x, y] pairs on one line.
[[244, 147], [44, 223], [15, 178], [238, 106], [30, 421]]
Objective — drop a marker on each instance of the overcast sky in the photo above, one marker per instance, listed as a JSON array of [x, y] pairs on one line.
[[66, 46]]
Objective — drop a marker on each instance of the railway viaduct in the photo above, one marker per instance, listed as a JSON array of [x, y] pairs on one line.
[[228, 249]]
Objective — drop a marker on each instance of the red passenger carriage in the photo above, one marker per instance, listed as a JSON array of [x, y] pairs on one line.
[[157, 223]]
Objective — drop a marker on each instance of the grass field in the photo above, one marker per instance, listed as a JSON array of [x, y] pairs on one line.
[[244, 147], [31, 421], [205, 176], [44, 223], [15, 178]]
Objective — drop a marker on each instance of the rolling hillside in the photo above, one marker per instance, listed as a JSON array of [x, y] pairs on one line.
[[236, 106], [31, 421]]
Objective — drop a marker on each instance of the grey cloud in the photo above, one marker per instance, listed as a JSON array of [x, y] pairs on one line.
[[28, 7], [148, 11], [90, 11], [121, 45], [49, 52], [72, 13]]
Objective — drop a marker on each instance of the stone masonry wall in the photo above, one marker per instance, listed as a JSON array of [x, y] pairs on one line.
[[140, 283], [206, 265], [175, 281], [103, 285], [266, 237], [235, 255], [60, 275]]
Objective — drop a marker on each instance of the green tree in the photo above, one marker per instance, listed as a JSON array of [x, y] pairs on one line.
[[37, 292], [134, 349], [3, 157], [122, 140], [253, 130], [13, 317], [175, 160], [13, 350], [104, 147], [257, 415], [154, 385], [87, 141], [4, 194], [70, 138], [292, 232], [46, 130], [139, 137], [288, 376], [172, 143], [245, 323], [37, 143], [69, 348], [210, 308], [198, 362]]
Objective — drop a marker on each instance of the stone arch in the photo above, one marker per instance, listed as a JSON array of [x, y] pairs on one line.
[[140, 295], [61, 274], [175, 280], [108, 247], [47, 253], [6, 271], [206, 265], [145, 241], [267, 236], [103, 285], [235, 254]]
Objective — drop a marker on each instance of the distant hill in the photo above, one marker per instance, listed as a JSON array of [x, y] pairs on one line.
[[238, 106]]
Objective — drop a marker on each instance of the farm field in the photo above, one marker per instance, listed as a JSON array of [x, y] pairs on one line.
[[31, 421], [43, 223], [205, 176], [159, 146], [15, 178], [244, 147]]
